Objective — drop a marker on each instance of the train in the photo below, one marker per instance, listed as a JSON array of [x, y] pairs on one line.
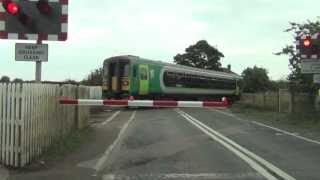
[[139, 78]]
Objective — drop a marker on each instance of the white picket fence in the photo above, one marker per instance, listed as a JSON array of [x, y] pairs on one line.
[[95, 92], [31, 119]]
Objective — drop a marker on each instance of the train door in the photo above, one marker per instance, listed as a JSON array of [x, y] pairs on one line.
[[114, 73], [143, 79], [124, 76]]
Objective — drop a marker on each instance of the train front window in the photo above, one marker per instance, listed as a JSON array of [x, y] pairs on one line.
[[124, 69]]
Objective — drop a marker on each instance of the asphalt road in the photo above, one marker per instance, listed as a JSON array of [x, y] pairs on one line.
[[189, 143]]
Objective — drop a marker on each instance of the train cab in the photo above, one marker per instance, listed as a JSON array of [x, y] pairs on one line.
[[116, 75]]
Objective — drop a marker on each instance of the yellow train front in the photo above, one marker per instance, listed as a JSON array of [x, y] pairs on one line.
[[126, 76]]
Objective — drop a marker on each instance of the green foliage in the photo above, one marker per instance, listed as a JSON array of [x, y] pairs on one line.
[[17, 80], [94, 78], [255, 80], [280, 84], [305, 120], [68, 144], [70, 81], [299, 82], [201, 55], [5, 79]]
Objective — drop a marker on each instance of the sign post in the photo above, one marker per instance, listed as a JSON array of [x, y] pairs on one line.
[[38, 66]]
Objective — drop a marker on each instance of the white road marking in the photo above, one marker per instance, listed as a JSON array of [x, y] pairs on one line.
[[249, 161], [273, 128], [288, 133], [111, 117], [184, 176], [104, 158], [243, 153], [109, 177]]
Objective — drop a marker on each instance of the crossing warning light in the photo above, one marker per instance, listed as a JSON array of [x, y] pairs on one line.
[[308, 46], [44, 7], [11, 7], [307, 42], [34, 19]]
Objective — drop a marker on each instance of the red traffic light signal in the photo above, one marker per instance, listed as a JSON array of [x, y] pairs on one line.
[[11, 7], [307, 42], [44, 7], [14, 9]]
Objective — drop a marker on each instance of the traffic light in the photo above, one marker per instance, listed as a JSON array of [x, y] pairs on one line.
[[308, 46], [26, 19], [11, 7], [307, 42], [44, 7]]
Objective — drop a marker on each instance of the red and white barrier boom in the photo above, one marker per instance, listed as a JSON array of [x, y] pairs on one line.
[[144, 103]]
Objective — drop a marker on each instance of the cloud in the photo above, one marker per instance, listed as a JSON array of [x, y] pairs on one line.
[[247, 32]]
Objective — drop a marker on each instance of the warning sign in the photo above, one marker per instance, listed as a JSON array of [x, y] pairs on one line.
[[31, 52]]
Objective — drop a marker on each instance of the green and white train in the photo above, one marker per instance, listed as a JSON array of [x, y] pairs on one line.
[[125, 76]]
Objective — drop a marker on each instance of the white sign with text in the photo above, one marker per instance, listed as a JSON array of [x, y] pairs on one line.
[[31, 52], [310, 66]]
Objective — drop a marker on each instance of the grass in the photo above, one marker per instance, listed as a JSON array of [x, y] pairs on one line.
[[309, 120], [68, 144]]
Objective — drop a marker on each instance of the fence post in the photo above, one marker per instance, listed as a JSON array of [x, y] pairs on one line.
[[77, 109], [291, 102], [279, 100], [264, 99]]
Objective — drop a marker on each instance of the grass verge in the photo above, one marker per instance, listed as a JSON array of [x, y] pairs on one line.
[[68, 144], [309, 120], [59, 149]]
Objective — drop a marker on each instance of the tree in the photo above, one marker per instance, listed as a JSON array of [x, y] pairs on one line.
[[279, 84], [298, 80], [201, 55], [70, 81], [94, 78], [17, 80], [5, 79], [255, 80]]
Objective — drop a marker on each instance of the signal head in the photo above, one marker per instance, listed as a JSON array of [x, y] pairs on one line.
[[44, 7], [11, 7], [307, 42]]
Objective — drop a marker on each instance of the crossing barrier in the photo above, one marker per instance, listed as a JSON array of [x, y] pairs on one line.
[[144, 103]]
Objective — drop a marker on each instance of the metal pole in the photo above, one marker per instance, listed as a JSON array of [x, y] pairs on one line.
[[38, 66], [38, 71]]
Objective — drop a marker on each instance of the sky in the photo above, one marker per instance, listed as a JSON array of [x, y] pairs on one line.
[[247, 32]]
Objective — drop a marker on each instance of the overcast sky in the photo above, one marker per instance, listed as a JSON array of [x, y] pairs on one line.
[[248, 32]]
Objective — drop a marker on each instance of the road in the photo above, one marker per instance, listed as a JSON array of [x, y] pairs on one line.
[[189, 143]]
